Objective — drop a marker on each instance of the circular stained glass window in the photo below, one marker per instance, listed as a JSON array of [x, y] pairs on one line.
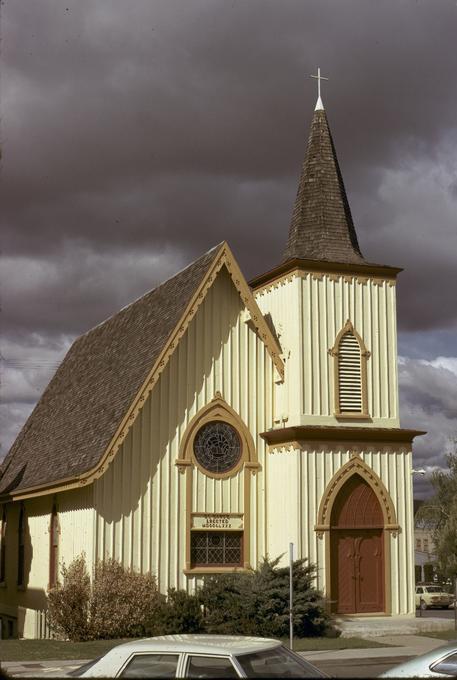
[[217, 447]]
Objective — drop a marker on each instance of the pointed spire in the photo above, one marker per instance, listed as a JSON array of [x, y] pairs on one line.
[[321, 226]]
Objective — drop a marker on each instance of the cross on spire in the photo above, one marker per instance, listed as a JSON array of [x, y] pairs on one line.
[[319, 104]]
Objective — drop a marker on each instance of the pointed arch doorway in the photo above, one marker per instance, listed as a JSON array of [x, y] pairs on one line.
[[357, 549]]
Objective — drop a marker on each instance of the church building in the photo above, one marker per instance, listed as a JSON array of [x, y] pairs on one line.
[[213, 421]]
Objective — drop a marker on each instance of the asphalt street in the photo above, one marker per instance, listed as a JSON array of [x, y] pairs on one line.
[[436, 613], [337, 668]]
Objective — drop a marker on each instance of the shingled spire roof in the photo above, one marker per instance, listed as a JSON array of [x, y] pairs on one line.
[[322, 226]]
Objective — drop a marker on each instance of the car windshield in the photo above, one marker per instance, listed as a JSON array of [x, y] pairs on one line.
[[85, 667], [434, 589], [276, 663]]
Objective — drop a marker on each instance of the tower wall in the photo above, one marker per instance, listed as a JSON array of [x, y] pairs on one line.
[[308, 310]]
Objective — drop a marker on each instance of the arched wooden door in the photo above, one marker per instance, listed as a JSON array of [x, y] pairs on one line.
[[357, 555]]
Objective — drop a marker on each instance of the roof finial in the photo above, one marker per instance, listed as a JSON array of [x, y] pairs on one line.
[[319, 104]]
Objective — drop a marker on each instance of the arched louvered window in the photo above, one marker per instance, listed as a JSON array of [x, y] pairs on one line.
[[349, 375], [3, 547], [54, 533], [350, 357]]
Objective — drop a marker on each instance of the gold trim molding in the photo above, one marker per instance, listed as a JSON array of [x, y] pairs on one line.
[[217, 409], [247, 466], [225, 259], [355, 466], [364, 356]]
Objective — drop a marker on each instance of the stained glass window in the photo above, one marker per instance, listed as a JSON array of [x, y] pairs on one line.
[[217, 447]]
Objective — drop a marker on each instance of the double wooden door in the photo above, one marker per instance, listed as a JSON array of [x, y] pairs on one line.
[[358, 570], [357, 550]]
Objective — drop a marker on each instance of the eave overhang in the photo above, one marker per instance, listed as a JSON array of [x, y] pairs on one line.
[[224, 258], [306, 433], [344, 268]]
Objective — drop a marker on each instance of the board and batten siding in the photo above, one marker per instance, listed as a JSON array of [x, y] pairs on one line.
[[308, 310], [76, 520], [306, 473], [140, 500]]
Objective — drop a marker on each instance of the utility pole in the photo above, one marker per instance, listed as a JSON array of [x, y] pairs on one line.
[[291, 594]]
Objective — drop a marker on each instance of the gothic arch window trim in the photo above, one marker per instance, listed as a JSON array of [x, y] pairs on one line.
[[217, 410], [355, 466], [342, 401], [247, 466]]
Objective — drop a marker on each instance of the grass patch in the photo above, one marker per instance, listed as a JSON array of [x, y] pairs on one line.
[[41, 650], [450, 634]]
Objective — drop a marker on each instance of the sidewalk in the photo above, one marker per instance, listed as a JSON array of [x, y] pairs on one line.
[[380, 626], [402, 646], [33, 669]]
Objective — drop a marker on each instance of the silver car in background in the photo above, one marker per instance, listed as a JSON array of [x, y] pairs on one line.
[[441, 662], [200, 656]]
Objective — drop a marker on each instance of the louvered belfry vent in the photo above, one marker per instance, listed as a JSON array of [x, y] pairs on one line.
[[350, 374]]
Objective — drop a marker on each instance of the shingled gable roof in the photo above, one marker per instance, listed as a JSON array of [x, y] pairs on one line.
[[93, 398], [321, 227]]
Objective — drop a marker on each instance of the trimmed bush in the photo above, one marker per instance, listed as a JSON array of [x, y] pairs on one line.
[[68, 603], [118, 603], [121, 601]]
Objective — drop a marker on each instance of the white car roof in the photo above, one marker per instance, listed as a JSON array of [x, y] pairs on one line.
[[206, 644]]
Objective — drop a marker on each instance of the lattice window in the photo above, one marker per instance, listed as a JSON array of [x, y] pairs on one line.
[[216, 548]]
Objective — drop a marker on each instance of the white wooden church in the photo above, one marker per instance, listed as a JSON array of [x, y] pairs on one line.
[[215, 420]]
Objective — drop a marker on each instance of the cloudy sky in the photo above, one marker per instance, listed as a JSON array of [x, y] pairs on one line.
[[136, 135]]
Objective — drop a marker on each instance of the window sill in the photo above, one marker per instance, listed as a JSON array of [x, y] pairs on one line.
[[352, 416], [216, 570]]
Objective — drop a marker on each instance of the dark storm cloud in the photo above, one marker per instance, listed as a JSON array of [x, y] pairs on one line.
[[138, 135], [105, 100], [428, 401]]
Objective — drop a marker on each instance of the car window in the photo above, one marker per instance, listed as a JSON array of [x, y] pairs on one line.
[[448, 666], [434, 589], [210, 667], [276, 663], [85, 667], [151, 666], [419, 591]]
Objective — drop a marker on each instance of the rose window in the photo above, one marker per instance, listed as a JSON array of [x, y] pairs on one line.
[[217, 447]]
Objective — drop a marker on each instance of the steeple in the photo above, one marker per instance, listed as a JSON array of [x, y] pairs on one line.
[[321, 226]]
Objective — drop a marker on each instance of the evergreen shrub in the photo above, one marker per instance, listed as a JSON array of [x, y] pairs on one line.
[[257, 602], [179, 613]]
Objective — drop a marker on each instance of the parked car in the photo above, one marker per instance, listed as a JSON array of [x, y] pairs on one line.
[[438, 663], [432, 595], [200, 656]]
